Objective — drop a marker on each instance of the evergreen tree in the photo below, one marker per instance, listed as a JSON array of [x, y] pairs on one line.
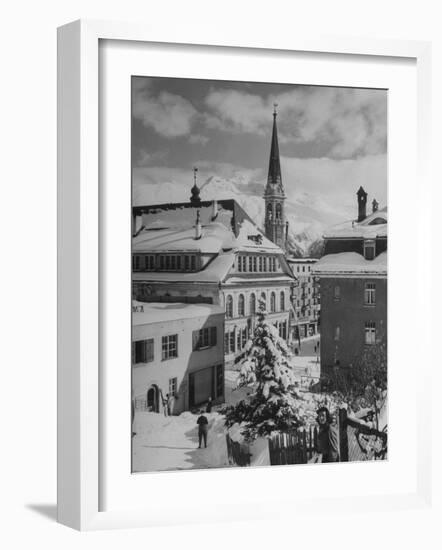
[[273, 405]]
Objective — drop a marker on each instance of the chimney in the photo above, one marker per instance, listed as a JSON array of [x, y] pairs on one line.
[[198, 228], [375, 205], [214, 209], [362, 204]]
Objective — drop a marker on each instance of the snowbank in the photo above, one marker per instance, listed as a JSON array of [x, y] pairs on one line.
[[171, 442]]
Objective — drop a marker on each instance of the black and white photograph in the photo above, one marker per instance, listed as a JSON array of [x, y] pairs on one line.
[[259, 274]]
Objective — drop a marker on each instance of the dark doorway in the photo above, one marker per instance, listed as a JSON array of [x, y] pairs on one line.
[[153, 402]]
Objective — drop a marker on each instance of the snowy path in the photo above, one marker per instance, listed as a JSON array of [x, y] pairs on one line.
[[171, 443]]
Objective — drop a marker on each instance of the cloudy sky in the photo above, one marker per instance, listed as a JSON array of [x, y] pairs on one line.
[[331, 139]]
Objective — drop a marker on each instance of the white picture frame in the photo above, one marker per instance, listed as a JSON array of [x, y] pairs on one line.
[[80, 294]]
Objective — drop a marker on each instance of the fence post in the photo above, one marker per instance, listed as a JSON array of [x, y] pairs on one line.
[[343, 438]]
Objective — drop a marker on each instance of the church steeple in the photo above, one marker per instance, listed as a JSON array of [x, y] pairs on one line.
[[274, 179], [274, 195]]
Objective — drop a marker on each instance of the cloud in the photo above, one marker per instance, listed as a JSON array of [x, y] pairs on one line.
[[334, 182], [198, 139], [346, 122], [170, 115]]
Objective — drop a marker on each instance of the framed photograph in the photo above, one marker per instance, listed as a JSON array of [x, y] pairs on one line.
[[225, 213]]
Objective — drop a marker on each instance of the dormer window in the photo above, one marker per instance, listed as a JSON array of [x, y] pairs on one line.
[[369, 249]]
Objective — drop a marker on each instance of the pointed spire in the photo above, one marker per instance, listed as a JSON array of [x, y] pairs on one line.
[[274, 179], [195, 196]]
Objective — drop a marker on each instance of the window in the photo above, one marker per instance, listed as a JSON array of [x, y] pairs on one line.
[[370, 294], [135, 263], [204, 338], [303, 268], [241, 306], [178, 262], [244, 337], [232, 341], [337, 293], [337, 333], [252, 304], [260, 264], [369, 249], [226, 343], [238, 339], [272, 302], [219, 380], [255, 262], [250, 263], [193, 263], [274, 264], [278, 211], [264, 263], [239, 263], [282, 300], [172, 386], [143, 351], [244, 263], [370, 332], [187, 263], [169, 346], [229, 307]]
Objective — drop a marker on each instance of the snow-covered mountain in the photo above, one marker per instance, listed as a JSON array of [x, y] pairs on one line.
[[308, 215]]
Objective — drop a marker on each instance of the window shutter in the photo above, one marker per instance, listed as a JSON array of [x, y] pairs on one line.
[[213, 336], [195, 338], [133, 353]]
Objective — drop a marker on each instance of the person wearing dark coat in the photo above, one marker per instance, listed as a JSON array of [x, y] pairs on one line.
[[328, 444], [203, 428], [209, 406]]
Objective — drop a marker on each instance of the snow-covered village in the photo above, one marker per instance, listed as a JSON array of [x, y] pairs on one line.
[[259, 275]]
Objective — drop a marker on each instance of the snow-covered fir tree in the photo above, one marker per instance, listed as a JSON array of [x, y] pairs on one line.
[[273, 404]]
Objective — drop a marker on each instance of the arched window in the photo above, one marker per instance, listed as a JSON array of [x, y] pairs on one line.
[[264, 299], [272, 302], [278, 211], [241, 306], [282, 300], [252, 304], [229, 307], [269, 212]]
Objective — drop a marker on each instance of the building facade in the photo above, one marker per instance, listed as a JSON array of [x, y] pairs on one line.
[[211, 253], [353, 283], [177, 351], [306, 299]]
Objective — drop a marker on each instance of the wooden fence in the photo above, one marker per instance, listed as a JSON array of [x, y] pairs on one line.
[[239, 453], [357, 442], [293, 448]]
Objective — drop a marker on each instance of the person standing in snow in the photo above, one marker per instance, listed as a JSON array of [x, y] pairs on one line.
[[209, 406], [203, 428], [328, 444], [169, 399]]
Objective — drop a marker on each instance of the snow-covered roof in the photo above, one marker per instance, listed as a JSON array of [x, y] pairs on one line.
[[351, 263], [214, 237], [215, 272], [146, 313], [302, 260], [225, 225], [374, 225]]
